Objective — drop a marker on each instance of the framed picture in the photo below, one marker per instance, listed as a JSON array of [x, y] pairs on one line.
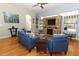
[[10, 18]]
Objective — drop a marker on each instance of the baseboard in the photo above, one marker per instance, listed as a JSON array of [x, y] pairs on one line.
[[3, 37]]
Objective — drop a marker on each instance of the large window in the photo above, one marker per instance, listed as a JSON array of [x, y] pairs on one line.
[[70, 21]]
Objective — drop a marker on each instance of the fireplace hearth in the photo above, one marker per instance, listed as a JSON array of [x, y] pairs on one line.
[[50, 31]]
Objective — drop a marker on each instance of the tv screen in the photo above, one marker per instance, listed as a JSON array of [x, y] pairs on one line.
[[51, 21]]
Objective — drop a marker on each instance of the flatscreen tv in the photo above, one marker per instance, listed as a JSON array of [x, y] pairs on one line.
[[51, 21]]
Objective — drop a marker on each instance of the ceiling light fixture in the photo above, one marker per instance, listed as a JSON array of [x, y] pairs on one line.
[[40, 5]]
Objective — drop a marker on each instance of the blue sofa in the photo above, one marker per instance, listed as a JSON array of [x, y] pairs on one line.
[[27, 40], [58, 43]]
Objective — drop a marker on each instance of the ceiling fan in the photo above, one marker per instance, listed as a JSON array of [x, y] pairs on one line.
[[40, 5]]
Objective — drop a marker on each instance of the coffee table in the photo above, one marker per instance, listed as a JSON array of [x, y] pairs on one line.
[[41, 45]]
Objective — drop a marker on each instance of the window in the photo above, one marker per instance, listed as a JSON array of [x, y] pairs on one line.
[[28, 22], [70, 21]]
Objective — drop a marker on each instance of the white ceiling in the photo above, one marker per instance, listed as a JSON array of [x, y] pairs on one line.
[[28, 6]]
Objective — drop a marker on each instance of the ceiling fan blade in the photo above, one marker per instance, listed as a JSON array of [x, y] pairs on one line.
[[42, 7], [35, 5], [44, 3]]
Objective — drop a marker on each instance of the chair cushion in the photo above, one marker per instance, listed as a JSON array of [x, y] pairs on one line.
[[30, 35]]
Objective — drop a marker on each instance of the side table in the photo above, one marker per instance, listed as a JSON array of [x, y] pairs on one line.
[[13, 31]]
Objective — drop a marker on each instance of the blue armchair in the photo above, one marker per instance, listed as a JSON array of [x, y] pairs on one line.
[[26, 40], [58, 43]]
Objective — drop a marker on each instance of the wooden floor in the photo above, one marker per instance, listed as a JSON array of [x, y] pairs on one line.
[[11, 47]]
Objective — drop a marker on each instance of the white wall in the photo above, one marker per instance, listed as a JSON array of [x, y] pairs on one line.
[[65, 7], [4, 32]]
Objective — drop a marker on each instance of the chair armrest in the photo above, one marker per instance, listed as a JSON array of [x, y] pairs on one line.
[[50, 45], [31, 42], [32, 39], [60, 45]]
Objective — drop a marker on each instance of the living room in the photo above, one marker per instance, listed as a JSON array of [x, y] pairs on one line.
[[43, 24]]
